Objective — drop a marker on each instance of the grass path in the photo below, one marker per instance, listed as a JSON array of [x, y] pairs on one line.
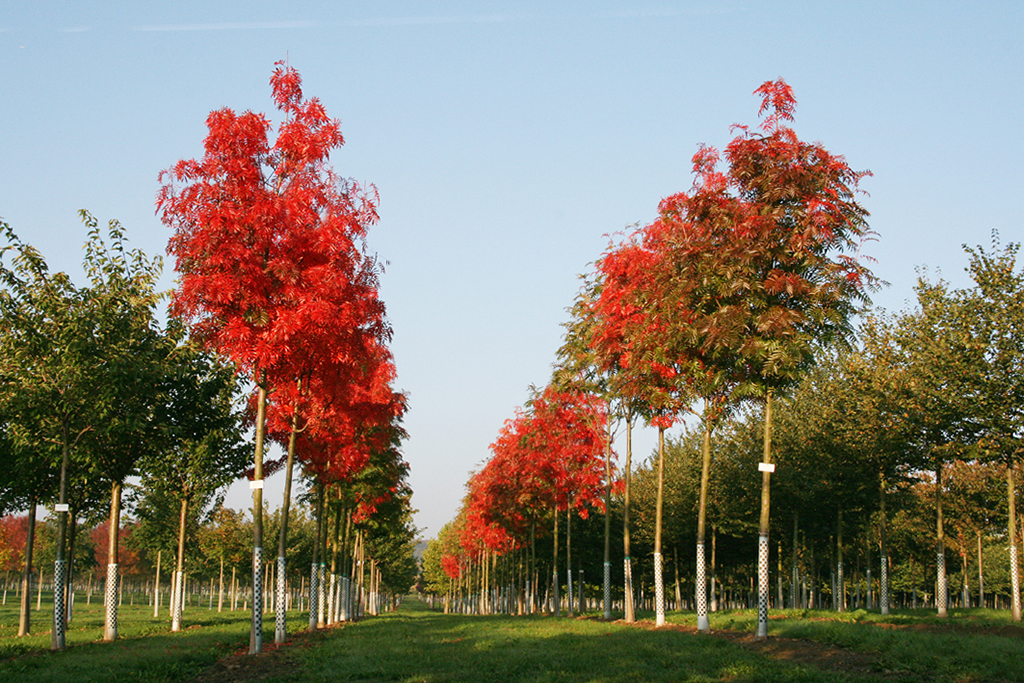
[[416, 645]]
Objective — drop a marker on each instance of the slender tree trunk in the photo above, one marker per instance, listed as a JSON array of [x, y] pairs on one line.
[[178, 591], [220, 585], [314, 572], [1014, 561], [25, 619], [679, 594], [981, 573], [113, 578], [629, 616], [608, 524], [762, 541], [554, 566], [70, 570], [256, 630], [156, 586], [840, 580], [568, 558], [281, 616], [883, 552], [332, 599], [57, 637], [321, 619], [659, 579], [941, 591], [794, 583], [714, 568], [701, 588]]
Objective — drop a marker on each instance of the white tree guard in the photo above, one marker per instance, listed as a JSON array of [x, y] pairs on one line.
[[941, 590], [257, 600], [628, 578], [332, 599], [840, 588], [1015, 576], [314, 596], [762, 586], [176, 600], [110, 603], [321, 613], [701, 589], [607, 591], [281, 611], [883, 593], [659, 592], [568, 589], [59, 618]]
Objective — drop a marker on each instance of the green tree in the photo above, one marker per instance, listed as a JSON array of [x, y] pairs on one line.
[[204, 451], [994, 310]]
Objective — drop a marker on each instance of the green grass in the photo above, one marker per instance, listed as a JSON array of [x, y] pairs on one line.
[[145, 650], [968, 645], [416, 645]]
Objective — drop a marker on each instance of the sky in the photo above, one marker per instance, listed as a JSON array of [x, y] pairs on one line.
[[508, 141]]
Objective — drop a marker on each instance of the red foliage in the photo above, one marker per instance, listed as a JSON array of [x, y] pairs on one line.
[[737, 278], [551, 456], [270, 249], [13, 536], [263, 237], [127, 559]]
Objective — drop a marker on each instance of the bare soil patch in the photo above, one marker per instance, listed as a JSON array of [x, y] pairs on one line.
[[276, 661]]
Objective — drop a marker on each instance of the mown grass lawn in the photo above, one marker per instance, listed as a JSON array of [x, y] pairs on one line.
[[146, 650], [416, 645]]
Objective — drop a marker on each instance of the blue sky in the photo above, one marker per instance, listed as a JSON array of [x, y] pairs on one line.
[[507, 139]]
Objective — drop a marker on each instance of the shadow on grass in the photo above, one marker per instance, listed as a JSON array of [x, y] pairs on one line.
[[145, 650], [417, 646]]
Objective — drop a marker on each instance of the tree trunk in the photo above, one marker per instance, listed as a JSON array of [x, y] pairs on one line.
[[981, 573], [220, 585], [629, 616], [840, 579], [178, 590], [113, 578], [281, 617], [883, 552], [762, 541], [70, 570], [156, 587], [701, 587], [714, 568], [794, 583], [608, 524], [256, 630], [25, 620], [314, 572], [554, 567], [941, 594], [568, 558], [1014, 561], [57, 636], [659, 579]]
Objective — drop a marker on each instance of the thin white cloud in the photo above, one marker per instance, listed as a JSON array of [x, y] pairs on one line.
[[665, 12], [428, 21], [75, 29], [228, 26]]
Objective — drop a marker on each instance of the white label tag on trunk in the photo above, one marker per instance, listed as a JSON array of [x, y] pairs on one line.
[[256, 484], [765, 467], [61, 507]]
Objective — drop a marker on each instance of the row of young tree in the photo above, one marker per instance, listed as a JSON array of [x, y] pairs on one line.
[[276, 303], [735, 310], [217, 554]]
